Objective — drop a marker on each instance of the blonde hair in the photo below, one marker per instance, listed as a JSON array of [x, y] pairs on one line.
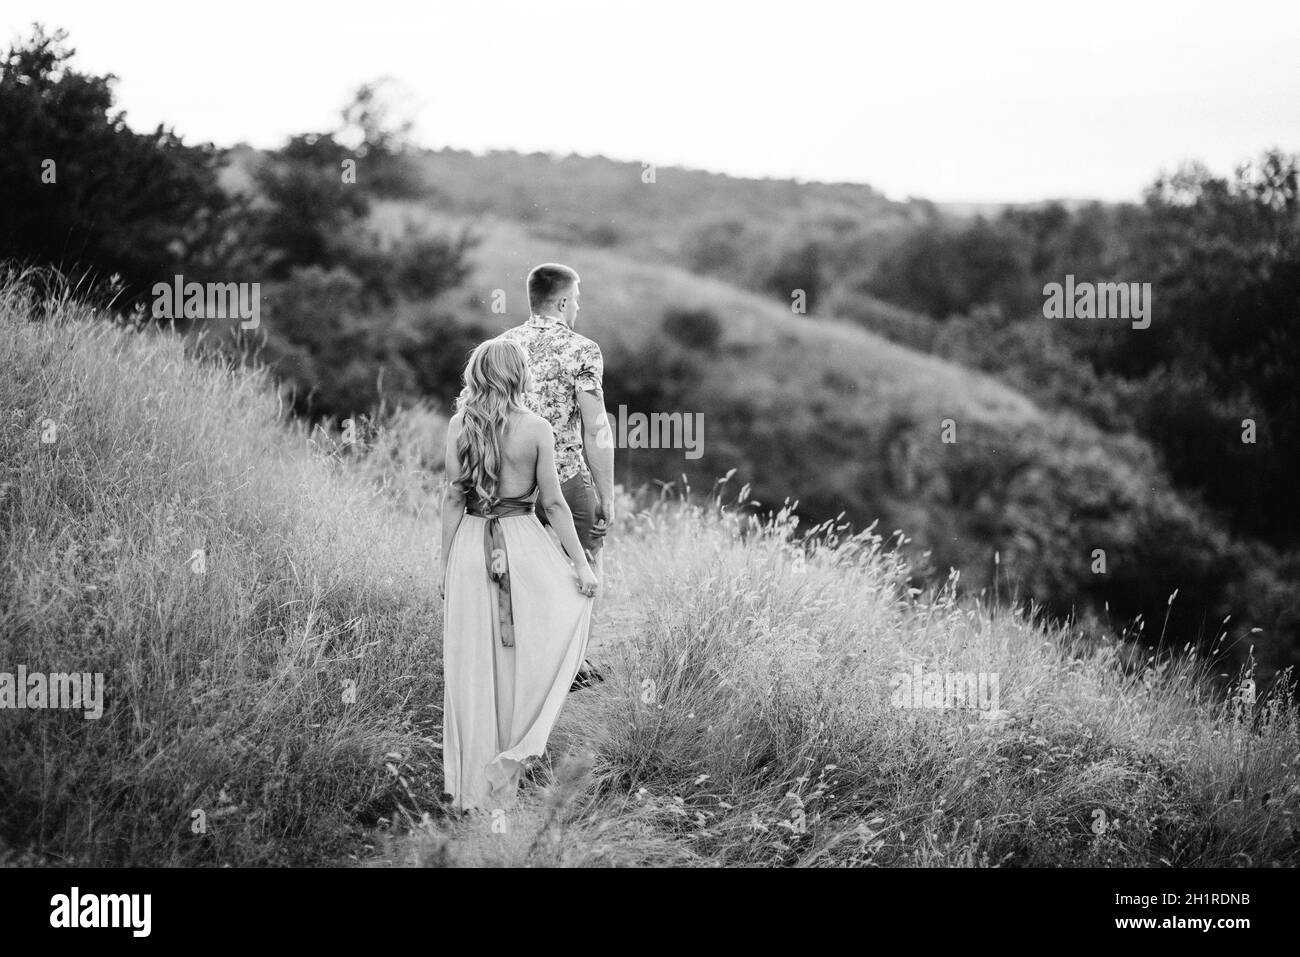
[[495, 383]]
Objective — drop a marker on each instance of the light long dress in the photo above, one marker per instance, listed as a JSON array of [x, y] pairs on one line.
[[500, 703]]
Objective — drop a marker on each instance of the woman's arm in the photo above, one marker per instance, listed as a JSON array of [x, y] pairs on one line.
[[552, 499], [453, 499]]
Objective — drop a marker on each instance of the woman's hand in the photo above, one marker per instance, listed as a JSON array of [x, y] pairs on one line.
[[587, 582]]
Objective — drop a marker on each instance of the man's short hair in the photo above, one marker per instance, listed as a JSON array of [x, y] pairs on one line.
[[545, 282]]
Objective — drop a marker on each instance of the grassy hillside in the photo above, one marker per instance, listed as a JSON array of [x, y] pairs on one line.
[[746, 717], [607, 202], [624, 299], [225, 687], [848, 422]]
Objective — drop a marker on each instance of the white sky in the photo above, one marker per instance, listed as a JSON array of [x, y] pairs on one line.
[[973, 101]]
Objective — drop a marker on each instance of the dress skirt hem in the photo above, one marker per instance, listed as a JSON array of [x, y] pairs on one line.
[[501, 703]]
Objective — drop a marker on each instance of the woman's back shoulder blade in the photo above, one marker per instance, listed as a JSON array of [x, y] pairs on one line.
[[537, 427]]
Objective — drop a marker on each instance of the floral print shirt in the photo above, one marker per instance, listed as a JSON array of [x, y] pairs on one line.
[[563, 363]]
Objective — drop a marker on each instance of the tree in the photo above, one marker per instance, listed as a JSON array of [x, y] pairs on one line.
[[380, 141], [1224, 255], [310, 203], [84, 193]]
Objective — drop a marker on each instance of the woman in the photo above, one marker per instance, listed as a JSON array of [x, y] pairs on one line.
[[515, 627]]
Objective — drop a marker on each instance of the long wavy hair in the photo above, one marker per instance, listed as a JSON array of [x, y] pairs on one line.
[[495, 382]]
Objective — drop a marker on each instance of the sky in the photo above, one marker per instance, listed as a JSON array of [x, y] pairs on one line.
[[988, 101]]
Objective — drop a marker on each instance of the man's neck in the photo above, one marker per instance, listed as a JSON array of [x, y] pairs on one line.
[[549, 315]]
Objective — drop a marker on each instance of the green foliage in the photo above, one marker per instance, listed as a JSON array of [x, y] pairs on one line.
[[310, 205], [340, 354], [141, 206], [795, 269], [356, 316], [697, 330], [382, 142], [1223, 259], [941, 272], [1216, 366], [344, 332]]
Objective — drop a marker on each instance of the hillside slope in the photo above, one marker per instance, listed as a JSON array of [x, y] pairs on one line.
[[847, 422], [229, 579], [623, 300], [280, 701], [603, 202]]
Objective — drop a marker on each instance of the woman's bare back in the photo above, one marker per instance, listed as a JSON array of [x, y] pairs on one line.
[[519, 456]]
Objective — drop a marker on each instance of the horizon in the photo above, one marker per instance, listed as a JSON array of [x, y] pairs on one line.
[[1033, 104], [560, 157]]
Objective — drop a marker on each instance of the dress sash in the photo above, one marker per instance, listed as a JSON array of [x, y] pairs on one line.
[[494, 552]]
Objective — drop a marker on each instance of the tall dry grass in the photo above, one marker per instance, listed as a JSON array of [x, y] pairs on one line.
[[746, 718], [226, 689]]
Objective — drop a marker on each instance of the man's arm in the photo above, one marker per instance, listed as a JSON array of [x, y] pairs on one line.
[[552, 499], [598, 445]]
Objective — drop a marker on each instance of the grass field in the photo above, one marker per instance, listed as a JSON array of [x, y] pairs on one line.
[[288, 688]]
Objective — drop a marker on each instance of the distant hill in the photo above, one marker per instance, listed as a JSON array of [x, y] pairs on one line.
[[989, 210], [605, 202]]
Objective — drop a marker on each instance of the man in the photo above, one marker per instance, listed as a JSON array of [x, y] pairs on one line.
[[567, 371]]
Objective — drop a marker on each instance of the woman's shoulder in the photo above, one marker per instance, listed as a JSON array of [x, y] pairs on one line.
[[534, 425]]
